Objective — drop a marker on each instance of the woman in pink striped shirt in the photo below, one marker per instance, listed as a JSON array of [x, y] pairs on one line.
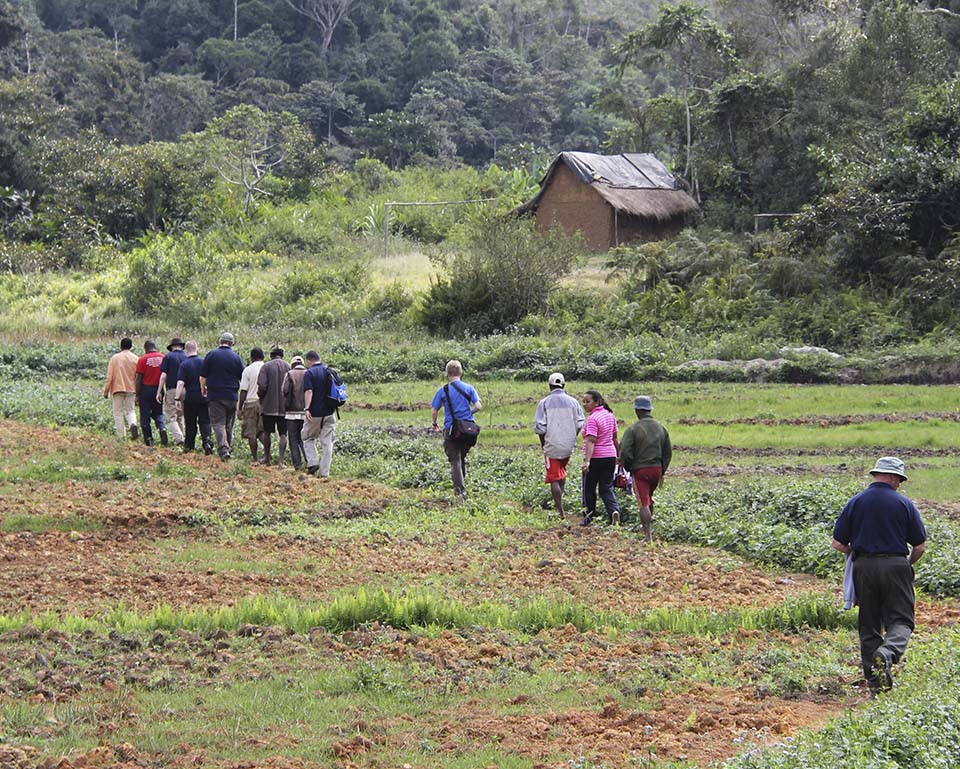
[[600, 450]]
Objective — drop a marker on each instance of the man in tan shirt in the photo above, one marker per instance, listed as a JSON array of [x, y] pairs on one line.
[[121, 386]]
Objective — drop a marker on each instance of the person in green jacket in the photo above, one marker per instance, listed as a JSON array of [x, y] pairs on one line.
[[645, 451]]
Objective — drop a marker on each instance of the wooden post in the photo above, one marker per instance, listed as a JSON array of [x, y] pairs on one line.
[[386, 229]]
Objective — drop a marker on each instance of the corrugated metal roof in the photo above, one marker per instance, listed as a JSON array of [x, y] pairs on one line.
[[631, 171], [635, 183]]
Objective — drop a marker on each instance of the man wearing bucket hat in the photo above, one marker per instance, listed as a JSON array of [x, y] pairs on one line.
[[883, 530], [167, 390], [558, 422], [645, 451]]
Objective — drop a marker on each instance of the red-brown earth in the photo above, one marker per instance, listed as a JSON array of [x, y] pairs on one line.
[[144, 556]]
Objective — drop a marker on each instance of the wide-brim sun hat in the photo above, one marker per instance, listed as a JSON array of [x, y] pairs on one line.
[[642, 403], [890, 466], [175, 342]]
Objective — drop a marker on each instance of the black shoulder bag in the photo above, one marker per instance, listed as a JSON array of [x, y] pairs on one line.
[[463, 431]]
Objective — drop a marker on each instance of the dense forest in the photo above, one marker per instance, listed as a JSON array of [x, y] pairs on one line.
[[139, 127]]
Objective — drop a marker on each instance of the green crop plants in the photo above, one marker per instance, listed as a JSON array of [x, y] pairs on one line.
[[56, 403], [790, 525], [915, 725]]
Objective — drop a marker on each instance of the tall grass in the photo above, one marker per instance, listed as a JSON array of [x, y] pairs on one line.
[[363, 607]]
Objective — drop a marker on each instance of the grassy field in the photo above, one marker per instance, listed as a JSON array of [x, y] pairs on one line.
[[179, 611]]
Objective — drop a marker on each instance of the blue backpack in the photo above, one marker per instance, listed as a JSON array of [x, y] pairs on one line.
[[336, 390]]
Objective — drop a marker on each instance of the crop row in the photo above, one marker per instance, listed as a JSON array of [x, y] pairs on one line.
[[427, 610], [790, 524]]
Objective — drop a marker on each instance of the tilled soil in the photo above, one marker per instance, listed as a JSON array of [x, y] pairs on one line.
[[140, 567], [696, 722], [143, 557]]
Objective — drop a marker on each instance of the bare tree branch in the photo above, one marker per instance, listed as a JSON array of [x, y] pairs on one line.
[[326, 14]]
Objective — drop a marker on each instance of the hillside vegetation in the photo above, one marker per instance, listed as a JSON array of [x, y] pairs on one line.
[[181, 167]]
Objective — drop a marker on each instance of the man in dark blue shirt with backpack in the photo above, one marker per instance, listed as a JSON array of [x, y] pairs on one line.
[[883, 530], [323, 394]]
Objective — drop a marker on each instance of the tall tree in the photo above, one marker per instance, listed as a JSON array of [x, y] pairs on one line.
[[326, 14], [246, 145], [321, 102], [696, 50]]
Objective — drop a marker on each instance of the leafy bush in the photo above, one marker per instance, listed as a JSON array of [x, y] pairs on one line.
[[22, 257], [388, 302], [507, 273], [293, 231], [374, 175]]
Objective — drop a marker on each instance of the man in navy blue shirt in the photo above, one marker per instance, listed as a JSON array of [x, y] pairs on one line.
[[191, 403], [321, 420], [167, 391], [220, 385], [883, 530]]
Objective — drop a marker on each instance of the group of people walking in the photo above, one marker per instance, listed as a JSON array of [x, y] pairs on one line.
[[644, 454], [640, 459], [879, 529], [185, 395]]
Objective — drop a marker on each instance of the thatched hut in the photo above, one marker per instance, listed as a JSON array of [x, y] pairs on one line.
[[611, 199]]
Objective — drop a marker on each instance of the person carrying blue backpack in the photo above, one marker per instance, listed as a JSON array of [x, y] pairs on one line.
[[323, 394], [459, 402]]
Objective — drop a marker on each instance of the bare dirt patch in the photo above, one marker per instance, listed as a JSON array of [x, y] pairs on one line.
[[690, 721], [145, 566]]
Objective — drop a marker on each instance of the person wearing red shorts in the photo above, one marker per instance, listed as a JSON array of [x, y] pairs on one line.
[[558, 421], [645, 452]]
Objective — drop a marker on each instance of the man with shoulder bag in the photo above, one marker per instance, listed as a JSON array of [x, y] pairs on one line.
[[459, 402]]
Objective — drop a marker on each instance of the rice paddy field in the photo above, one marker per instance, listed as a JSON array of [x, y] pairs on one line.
[[162, 610]]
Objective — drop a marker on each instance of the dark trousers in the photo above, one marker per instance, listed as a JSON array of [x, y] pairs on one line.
[[885, 594], [150, 410], [196, 414], [457, 457], [600, 473], [295, 442]]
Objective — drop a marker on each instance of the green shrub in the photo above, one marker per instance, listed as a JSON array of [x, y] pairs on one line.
[[294, 231], [388, 302], [508, 272], [373, 175]]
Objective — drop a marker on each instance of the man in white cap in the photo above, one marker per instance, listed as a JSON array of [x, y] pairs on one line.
[[645, 452], [883, 530], [558, 422]]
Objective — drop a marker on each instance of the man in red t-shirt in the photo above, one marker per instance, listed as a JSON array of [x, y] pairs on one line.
[[147, 383]]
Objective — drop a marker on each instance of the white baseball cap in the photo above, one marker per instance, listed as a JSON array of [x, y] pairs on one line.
[[556, 380]]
